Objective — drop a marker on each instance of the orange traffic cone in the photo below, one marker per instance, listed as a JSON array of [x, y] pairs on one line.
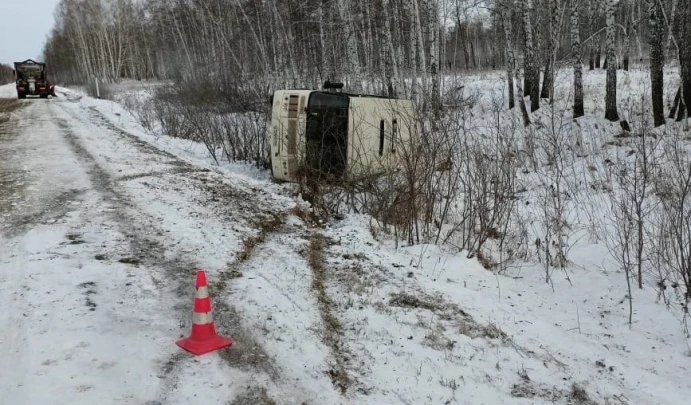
[[203, 338]]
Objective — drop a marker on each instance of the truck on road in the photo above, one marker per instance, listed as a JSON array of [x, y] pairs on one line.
[[31, 80]]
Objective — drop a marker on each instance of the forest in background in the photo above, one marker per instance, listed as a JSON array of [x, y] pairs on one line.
[[6, 74], [223, 49]]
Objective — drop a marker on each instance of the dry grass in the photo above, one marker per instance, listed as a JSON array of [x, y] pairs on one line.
[[7, 106], [526, 388], [253, 396], [463, 322], [266, 225], [309, 218], [579, 396], [411, 301]]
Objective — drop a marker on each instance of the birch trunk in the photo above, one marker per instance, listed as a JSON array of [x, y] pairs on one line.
[[627, 38], [668, 47], [531, 85], [611, 92], [413, 48], [433, 54], [684, 42], [657, 33], [591, 47], [507, 6], [399, 54], [389, 55], [521, 98], [352, 61], [420, 43], [577, 63], [552, 44]]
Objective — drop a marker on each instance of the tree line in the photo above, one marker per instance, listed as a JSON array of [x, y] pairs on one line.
[[655, 31], [403, 47], [6, 74]]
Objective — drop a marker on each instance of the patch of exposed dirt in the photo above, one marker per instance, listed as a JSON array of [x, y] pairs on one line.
[[12, 179], [7, 107], [463, 322], [246, 352], [130, 260], [253, 396], [526, 388], [16, 224], [406, 300], [75, 239], [182, 170], [333, 330], [530, 389], [90, 289]]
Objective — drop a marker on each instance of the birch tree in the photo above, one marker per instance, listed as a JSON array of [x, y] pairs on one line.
[[227, 46], [506, 7], [577, 63], [657, 33], [684, 15], [552, 42], [389, 54], [352, 61], [611, 90], [433, 54], [531, 68], [591, 25]]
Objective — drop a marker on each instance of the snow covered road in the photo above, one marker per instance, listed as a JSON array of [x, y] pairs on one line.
[[100, 237]]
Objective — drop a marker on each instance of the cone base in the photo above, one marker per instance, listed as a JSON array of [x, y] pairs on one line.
[[198, 348]]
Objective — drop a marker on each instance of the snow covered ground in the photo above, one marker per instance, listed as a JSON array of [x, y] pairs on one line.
[[103, 223]]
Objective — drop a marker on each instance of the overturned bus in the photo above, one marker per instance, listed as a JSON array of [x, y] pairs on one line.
[[337, 135]]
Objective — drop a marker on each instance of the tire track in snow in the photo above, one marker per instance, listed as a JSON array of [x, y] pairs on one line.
[[14, 178], [145, 249], [240, 208], [272, 285], [333, 328]]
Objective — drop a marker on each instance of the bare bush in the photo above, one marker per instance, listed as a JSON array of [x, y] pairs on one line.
[[630, 206], [98, 89], [455, 185], [628, 173], [144, 110], [552, 145], [244, 138], [673, 188], [232, 130]]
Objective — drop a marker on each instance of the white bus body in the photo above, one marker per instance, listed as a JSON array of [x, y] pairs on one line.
[[338, 135]]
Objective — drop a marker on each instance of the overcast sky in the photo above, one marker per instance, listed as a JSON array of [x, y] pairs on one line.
[[24, 26]]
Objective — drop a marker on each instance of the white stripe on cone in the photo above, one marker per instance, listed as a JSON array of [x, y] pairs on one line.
[[202, 292], [202, 318]]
